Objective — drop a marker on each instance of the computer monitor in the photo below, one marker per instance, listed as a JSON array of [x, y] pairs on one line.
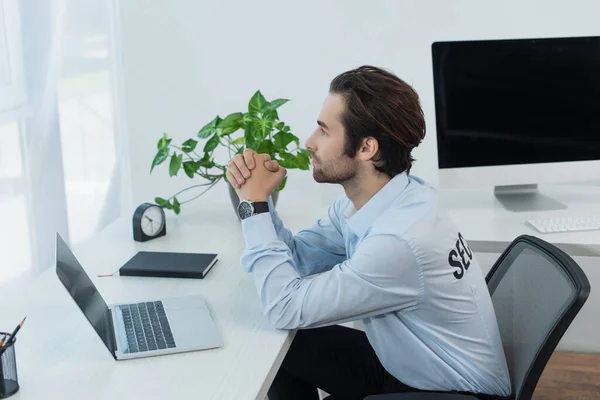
[[515, 113]]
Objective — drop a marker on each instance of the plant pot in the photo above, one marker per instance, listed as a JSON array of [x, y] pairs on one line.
[[235, 200]]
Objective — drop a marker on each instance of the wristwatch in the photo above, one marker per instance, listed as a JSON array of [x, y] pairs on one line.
[[248, 208]]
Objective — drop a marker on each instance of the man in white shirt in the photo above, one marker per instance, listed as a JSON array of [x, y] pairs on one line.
[[384, 253]]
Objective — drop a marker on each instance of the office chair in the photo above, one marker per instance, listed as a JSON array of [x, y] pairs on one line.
[[537, 290]]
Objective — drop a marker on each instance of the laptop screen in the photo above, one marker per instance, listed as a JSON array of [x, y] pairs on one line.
[[80, 287]]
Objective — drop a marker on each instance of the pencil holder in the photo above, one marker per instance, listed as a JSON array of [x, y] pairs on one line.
[[9, 384]]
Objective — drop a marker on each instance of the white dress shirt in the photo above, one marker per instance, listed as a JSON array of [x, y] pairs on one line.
[[399, 264]]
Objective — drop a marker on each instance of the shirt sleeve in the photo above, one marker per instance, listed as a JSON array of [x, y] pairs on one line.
[[316, 249], [381, 277]]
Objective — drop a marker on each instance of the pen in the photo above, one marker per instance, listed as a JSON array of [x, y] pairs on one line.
[[12, 335], [3, 337]]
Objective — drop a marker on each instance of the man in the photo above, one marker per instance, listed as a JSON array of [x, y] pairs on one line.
[[384, 253]]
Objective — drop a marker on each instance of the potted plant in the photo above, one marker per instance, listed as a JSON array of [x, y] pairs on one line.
[[259, 129]]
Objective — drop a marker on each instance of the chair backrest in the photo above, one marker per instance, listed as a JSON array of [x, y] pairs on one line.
[[536, 290]]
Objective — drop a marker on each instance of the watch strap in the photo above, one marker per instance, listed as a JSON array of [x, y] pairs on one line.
[[260, 207]]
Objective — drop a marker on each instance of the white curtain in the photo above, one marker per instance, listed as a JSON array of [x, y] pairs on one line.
[[62, 166]]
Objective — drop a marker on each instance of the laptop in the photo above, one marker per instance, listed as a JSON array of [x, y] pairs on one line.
[[143, 328]]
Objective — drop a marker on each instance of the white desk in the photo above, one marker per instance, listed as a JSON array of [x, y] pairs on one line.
[[489, 227], [60, 356]]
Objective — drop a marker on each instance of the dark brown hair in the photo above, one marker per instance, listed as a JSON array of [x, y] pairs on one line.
[[383, 106]]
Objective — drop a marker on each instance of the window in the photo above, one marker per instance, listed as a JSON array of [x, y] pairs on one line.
[[14, 235], [12, 89], [58, 147]]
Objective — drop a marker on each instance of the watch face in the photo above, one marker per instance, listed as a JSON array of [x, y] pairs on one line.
[[152, 221], [245, 210]]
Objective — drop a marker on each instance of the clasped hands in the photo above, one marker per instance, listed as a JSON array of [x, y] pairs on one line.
[[254, 176]]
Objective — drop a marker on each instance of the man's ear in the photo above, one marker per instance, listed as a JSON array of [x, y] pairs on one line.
[[368, 148]]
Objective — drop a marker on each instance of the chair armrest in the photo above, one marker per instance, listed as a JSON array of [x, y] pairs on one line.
[[420, 396]]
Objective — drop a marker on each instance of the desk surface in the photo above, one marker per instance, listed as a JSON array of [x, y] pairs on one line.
[[483, 220], [59, 354]]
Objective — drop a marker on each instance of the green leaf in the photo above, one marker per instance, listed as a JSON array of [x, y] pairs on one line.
[[209, 128], [257, 103], [275, 104], [240, 140], [163, 142], [281, 140], [281, 185], [247, 119], [252, 138], [212, 143], [271, 114], [230, 124], [176, 205], [189, 145], [262, 126], [163, 203], [160, 157], [288, 160], [205, 161], [303, 159], [280, 125], [266, 146], [190, 168], [175, 164]]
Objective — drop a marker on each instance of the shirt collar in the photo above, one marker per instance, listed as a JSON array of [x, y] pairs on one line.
[[360, 221]]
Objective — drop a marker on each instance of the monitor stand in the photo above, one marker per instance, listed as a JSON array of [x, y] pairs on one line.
[[521, 198]]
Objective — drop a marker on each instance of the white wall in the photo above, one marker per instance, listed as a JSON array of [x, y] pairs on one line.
[[188, 60]]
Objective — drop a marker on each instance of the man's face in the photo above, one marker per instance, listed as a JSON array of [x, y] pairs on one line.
[[330, 164]]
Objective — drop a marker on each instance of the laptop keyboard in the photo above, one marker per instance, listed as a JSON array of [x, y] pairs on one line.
[[147, 327]]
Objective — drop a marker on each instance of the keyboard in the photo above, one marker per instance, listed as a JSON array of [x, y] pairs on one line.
[[565, 224], [147, 327]]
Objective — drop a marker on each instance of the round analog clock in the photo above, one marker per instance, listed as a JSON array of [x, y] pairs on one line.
[[149, 222]]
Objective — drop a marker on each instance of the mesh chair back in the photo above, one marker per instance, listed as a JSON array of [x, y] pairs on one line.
[[536, 290]]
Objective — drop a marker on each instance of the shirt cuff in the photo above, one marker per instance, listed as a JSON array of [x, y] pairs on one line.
[[258, 229]]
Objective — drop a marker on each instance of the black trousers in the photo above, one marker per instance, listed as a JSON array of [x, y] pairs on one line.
[[338, 360]]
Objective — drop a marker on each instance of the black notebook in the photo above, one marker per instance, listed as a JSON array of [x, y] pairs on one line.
[[169, 265]]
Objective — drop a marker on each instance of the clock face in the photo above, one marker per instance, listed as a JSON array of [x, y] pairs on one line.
[[245, 209], [152, 221]]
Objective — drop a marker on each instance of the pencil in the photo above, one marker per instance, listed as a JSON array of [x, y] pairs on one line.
[[12, 335]]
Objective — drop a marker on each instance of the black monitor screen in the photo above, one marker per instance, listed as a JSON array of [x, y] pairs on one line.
[[502, 102]]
